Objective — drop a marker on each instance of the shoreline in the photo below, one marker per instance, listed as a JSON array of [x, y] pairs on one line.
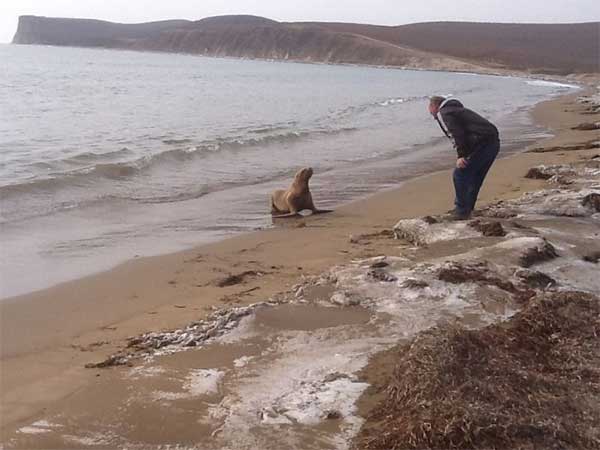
[[341, 206], [57, 279], [579, 78], [167, 291]]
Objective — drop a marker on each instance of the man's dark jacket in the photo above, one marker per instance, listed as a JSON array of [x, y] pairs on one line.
[[468, 129]]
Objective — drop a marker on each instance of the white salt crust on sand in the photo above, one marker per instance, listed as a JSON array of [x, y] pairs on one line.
[[39, 427], [198, 382], [203, 381]]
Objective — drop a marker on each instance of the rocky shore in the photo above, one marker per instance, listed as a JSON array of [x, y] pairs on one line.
[[531, 380]]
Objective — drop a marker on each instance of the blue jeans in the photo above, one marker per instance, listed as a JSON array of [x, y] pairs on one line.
[[468, 181]]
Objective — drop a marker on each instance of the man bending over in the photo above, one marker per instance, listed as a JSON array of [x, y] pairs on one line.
[[477, 143]]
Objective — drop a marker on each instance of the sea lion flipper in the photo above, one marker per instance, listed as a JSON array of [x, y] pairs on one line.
[[322, 211], [286, 216]]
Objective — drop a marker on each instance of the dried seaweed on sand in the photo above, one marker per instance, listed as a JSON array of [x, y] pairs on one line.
[[531, 382]]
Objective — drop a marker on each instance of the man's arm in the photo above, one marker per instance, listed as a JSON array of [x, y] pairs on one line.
[[457, 131]]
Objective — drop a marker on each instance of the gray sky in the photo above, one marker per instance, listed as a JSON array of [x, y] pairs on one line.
[[384, 12]]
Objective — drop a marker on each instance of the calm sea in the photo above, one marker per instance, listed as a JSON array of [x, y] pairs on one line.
[[107, 154]]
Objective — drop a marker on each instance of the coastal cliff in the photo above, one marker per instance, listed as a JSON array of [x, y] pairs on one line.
[[550, 49]]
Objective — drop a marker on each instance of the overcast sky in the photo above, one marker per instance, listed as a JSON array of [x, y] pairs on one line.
[[384, 12]]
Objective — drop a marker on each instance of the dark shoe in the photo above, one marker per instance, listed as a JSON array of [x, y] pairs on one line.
[[453, 214], [460, 216]]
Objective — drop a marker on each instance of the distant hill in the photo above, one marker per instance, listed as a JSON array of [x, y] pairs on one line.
[[548, 48], [540, 48]]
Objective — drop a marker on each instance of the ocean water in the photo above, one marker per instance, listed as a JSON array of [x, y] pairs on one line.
[[106, 155]]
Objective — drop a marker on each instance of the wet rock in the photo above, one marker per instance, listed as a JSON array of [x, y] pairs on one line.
[[498, 211], [552, 202], [592, 201], [342, 299], [593, 163], [354, 239], [560, 179], [537, 173], [411, 230], [334, 377], [430, 220], [379, 265], [381, 275], [332, 415], [413, 283], [592, 257], [458, 273], [587, 126], [488, 228], [535, 279], [479, 273], [534, 255], [554, 174], [269, 414]]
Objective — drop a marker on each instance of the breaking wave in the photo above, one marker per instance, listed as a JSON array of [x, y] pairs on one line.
[[88, 168], [551, 84]]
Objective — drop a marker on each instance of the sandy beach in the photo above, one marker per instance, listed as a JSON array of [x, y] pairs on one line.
[[49, 336]]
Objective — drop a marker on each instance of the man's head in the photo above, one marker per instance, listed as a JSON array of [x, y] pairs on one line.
[[434, 104]]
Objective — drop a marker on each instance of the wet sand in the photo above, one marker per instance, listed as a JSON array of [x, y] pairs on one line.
[[48, 336]]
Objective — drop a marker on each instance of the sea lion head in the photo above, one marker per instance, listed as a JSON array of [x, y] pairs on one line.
[[304, 174]]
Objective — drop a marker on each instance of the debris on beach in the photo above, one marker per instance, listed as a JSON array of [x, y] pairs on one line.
[[534, 255], [111, 361], [523, 383], [233, 279], [196, 333], [592, 201], [488, 228], [592, 257], [530, 382], [499, 210], [566, 148], [556, 172], [481, 273], [587, 126], [365, 238], [592, 103], [413, 283], [537, 173], [535, 279], [379, 265], [566, 202]]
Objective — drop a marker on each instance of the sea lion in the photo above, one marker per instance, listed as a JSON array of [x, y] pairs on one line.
[[289, 202]]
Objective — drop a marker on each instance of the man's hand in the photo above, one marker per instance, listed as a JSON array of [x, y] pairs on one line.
[[461, 163]]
